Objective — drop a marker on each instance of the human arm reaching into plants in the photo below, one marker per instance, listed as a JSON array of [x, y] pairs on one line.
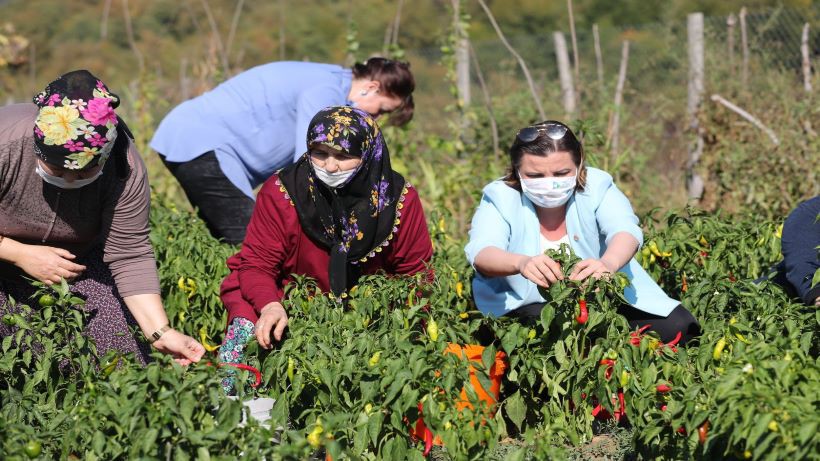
[[619, 224], [620, 250], [540, 269], [263, 252], [150, 315]]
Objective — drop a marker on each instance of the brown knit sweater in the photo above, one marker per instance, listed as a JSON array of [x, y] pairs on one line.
[[112, 211]]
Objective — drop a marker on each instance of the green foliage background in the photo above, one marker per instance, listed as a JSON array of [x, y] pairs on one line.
[[759, 393]]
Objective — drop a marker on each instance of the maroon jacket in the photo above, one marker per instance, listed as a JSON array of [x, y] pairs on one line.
[[275, 248]]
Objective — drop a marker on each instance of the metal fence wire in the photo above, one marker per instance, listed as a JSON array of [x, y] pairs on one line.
[[657, 60]]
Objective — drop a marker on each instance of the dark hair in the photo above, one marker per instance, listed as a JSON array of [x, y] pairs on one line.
[[395, 79], [542, 146]]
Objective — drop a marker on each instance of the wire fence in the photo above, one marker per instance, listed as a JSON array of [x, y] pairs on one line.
[[657, 61]]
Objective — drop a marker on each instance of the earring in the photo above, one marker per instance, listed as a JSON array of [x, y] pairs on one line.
[[363, 93]]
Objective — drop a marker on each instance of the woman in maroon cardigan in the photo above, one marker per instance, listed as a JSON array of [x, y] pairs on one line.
[[338, 213]]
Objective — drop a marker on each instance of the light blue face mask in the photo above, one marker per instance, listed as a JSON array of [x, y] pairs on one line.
[[62, 183]]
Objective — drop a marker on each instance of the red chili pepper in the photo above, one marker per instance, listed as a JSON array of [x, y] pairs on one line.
[[663, 388], [663, 408], [421, 431], [635, 336], [681, 430], [621, 411], [600, 413], [428, 441], [703, 432], [584, 315], [241, 366], [675, 341], [609, 363]]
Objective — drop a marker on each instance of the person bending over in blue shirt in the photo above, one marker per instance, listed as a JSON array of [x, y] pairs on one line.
[[223, 144], [550, 197], [800, 245]]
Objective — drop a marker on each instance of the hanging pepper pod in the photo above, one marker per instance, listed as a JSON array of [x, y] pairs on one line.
[[583, 316]]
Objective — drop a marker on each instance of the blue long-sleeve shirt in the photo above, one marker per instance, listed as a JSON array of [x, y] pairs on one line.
[[256, 122]]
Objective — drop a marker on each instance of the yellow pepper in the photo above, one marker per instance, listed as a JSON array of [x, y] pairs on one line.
[[203, 338], [624, 379], [291, 366], [432, 330], [314, 437], [773, 426], [716, 353], [374, 359]]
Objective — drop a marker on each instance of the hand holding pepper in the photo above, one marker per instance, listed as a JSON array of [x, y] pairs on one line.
[[589, 267]]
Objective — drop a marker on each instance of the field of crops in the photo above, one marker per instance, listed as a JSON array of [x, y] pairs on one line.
[[353, 382]]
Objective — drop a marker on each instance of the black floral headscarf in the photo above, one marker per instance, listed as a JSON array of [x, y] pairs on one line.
[[356, 218], [76, 126]]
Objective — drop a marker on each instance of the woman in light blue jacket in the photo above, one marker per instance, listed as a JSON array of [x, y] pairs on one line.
[[550, 197]]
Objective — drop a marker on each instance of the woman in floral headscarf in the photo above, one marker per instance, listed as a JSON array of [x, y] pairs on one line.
[[67, 212], [338, 213]]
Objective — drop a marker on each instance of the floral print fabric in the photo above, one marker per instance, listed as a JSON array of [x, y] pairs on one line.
[[233, 349], [355, 218], [76, 126]]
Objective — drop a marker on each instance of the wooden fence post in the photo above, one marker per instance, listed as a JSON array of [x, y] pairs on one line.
[[744, 44], [462, 55], [619, 91], [599, 62], [694, 23], [565, 74], [804, 50], [574, 47]]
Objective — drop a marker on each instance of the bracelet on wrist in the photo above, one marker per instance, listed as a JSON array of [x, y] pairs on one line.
[[158, 334]]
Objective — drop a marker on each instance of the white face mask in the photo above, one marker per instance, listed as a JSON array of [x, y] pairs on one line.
[[62, 183], [549, 192], [333, 180]]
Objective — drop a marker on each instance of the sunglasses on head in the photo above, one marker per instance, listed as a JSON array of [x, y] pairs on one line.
[[554, 131]]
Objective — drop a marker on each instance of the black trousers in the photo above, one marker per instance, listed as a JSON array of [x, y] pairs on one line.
[[225, 209], [679, 320]]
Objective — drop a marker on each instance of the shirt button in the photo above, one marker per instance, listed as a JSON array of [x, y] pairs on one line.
[[575, 237]]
